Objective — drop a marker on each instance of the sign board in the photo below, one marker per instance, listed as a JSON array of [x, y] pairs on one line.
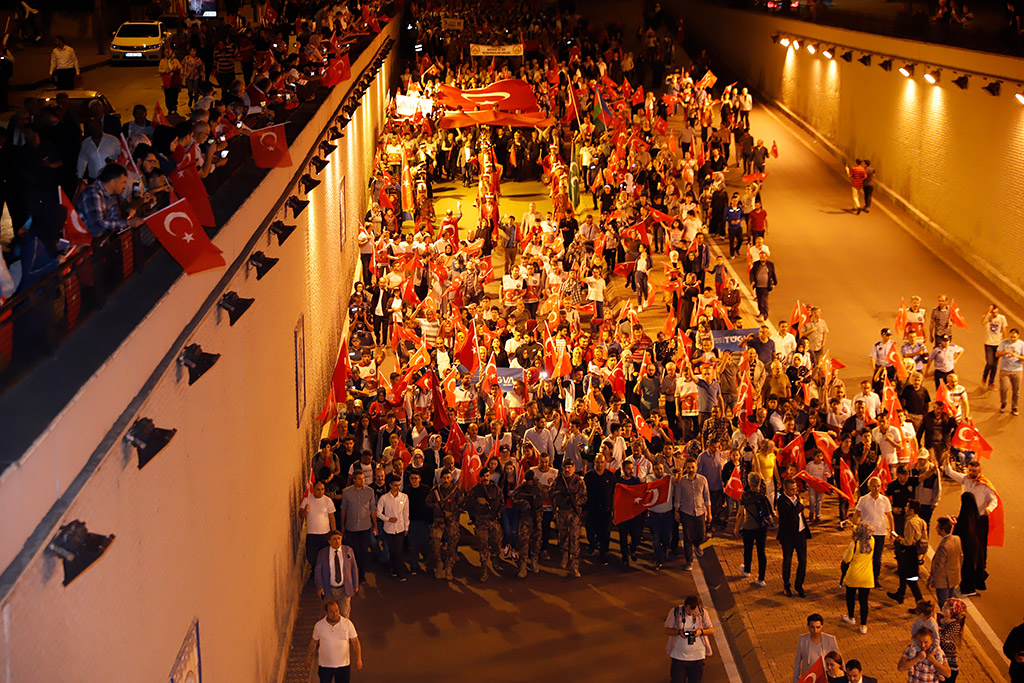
[[729, 340], [448, 24], [476, 50], [406, 105]]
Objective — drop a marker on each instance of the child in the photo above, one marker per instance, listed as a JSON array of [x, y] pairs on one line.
[[925, 612], [818, 469]]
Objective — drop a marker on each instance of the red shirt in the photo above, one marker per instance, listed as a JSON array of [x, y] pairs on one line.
[[857, 176]]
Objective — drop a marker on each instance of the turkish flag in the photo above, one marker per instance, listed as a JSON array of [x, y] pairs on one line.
[[796, 453], [819, 485], [418, 361], [956, 317], [734, 487], [400, 334], [882, 472], [402, 453], [847, 482], [826, 444], [75, 231], [617, 378], [438, 404], [471, 467], [563, 366], [500, 411], [754, 177], [457, 442], [894, 357], [638, 96], [660, 126], [338, 70], [901, 317], [182, 235], [408, 195], [635, 499], [409, 293], [968, 437], [340, 376], [624, 268], [508, 95], [468, 354], [270, 147], [942, 396], [490, 376], [384, 199], [189, 185], [125, 157], [158, 116], [775, 150], [642, 428], [816, 674], [330, 409], [798, 317]]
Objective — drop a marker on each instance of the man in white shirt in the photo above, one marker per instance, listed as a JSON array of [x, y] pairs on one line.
[[530, 219], [318, 511], [540, 437], [336, 575], [339, 646], [98, 150], [393, 511], [876, 510], [63, 65], [785, 343], [871, 400]]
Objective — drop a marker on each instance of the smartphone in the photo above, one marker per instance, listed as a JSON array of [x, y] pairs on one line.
[[136, 186], [223, 154], [222, 137]]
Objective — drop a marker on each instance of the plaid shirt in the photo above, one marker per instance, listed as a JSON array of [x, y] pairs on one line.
[[924, 671], [100, 210]]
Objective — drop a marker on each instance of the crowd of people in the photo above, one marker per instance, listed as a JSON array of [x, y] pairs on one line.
[[522, 392]]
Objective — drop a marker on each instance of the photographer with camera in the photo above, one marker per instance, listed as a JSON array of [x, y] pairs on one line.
[[688, 627]]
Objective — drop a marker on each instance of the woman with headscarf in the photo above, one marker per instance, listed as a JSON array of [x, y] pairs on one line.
[[966, 528], [860, 577], [951, 627]]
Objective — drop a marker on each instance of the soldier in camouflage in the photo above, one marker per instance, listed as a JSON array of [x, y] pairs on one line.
[[527, 498], [569, 495], [445, 500], [486, 501]]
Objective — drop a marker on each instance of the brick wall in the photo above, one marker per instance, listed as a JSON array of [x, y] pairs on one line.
[[209, 530], [952, 155]]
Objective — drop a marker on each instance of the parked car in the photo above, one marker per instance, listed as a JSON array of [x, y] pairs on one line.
[[138, 41], [78, 102]]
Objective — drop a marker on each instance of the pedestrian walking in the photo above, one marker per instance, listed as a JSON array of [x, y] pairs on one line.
[[693, 510], [947, 561], [336, 574], [753, 518], [569, 494], [983, 500], [485, 503], [763, 280], [170, 78], [995, 326], [924, 659], [334, 647], [812, 646], [317, 510], [1009, 354], [857, 176], [63, 64], [859, 576], [875, 510], [393, 513], [445, 500], [792, 535], [1013, 649], [869, 184], [911, 546], [528, 499], [688, 627]]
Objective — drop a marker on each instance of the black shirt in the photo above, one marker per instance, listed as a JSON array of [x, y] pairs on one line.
[[600, 488]]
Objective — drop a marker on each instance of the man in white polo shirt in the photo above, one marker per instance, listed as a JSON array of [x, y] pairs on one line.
[[339, 646], [876, 510]]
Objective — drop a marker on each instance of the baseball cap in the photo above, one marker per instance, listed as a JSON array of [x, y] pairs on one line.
[[886, 330]]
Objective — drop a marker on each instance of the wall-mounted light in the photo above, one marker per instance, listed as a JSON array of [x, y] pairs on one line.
[[281, 231], [319, 164], [828, 52], [335, 134], [261, 263], [812, 48], [907, 70], [796, 44], [933, 76], [234, 305], [886, 65], [993, 88], [197, 361], [847, 56], [961, 81], [78, 548], [1020, 96], [775, 38], [865, 60], [148, 439], [326, 147], [296, 205], [343, 120], [308, 183]]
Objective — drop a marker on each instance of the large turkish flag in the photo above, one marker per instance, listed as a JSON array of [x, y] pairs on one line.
[[270, 147], [183, 237], [634, 499], [188, 184], [512, 94]]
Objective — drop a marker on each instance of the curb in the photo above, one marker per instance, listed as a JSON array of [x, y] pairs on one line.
[[43, 82]]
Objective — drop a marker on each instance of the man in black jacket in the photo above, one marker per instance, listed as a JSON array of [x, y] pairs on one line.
[[763, 280], [793, 535], [600, 483]]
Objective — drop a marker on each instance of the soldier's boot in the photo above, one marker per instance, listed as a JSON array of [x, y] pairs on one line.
[[533, 565], [575, 569], [486, 574], [439, 571], [522, 568], [564, 562], [448, 574]]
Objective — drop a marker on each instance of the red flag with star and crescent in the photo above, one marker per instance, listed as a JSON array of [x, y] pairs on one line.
[[617, 378], [734, 487], [159, 119], [795, 452], [468, 355], [634, 499], [896, 360], [642, 428], [901, 317], [882, 472], [270, 147], [967, 437], [847, 483], [182, 235], [75, 231], [956, 317], [189, 185], [816, 674]]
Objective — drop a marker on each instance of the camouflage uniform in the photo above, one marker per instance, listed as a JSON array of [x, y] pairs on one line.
[[446, 504], [527, 498], [569, 494], [486, 501]]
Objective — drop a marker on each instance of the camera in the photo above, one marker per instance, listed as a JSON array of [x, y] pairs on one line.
[[691, 637]]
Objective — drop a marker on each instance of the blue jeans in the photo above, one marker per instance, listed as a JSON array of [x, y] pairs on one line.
[[419, 543], [510, 527], [380, 549]]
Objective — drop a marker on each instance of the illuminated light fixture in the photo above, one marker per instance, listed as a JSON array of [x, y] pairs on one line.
[[993, 88], [828, 52], [933, 76], [784, 42], [296, 205], [775, 38], [261, 263], [961, 81], [148, 439], [796, 44], [811, 48], [865, 60], [308, 183], [326, 147], [907, 70], [847, 56], [234, 305], [197, 361], [1020, 96], [281, 231], [319, 164], [78, 548], [886, 65]]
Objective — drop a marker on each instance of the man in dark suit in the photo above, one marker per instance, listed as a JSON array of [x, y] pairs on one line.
[[854, 675], [793, 535], [763, 280], [336, 574]]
